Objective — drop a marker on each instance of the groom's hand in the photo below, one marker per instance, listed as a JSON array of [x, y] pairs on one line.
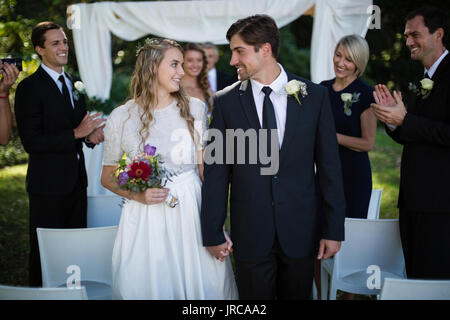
[[328, 248], [220, 252]]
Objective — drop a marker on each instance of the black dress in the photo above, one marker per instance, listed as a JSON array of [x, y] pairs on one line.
[[356, 171]]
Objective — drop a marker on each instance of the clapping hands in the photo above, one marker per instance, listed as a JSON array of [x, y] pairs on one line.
[[388, 109], [88, 125]]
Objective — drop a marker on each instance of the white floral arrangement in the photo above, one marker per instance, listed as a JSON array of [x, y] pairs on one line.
[[294, 87], [78, 89], [426, 85], [348, 100]]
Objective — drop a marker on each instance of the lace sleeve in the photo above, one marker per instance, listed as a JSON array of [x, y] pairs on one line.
[[199, 111], [113, 135]]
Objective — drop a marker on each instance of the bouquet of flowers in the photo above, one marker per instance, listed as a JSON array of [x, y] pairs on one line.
[[145, 171]]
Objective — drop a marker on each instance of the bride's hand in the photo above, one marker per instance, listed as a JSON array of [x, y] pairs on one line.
[[151, 196], [229, 242]]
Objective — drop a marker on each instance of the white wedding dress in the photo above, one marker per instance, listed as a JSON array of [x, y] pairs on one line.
[[158, 251]]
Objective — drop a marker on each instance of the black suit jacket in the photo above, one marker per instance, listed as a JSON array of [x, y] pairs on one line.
[[309, 139], [224, 80], [45, 123], [425, 136]]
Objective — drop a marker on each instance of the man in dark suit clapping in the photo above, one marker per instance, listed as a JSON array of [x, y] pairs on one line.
[[424, 131], [53, 124], [274, 224]]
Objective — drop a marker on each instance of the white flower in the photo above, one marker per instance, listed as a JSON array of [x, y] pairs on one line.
[[79, 86], [346, 97], [426, 83], [348, 100], [293, 87]]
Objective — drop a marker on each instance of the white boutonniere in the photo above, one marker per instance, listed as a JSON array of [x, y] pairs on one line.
[[348, 100], [78, 88], [426, 85], [294, 87]]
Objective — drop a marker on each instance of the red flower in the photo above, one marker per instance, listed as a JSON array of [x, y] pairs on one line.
[[140, 170]]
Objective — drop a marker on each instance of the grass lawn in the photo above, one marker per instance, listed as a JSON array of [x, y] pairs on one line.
[[385, 160], [13, 226]]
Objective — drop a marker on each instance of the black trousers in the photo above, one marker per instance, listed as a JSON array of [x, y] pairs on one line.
[[426, 244], [275, 277], [54, 211]]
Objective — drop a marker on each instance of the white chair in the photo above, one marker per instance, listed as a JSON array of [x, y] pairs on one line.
[[104, 210], [409, 289], [88, 249], [367, 242], [25, 293], [374, 204], [372, 213]]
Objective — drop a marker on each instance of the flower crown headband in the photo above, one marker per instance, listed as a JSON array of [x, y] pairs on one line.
[[155, 43]]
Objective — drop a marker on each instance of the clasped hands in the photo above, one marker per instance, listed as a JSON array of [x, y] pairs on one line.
[[388, 109], [222, 251], [327, 249]]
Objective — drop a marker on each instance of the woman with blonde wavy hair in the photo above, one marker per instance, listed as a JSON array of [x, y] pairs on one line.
[[195, 80], [158, 251]]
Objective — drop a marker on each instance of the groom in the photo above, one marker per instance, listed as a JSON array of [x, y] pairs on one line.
[[274, 223]]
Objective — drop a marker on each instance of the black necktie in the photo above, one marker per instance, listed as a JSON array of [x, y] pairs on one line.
[[269, 120], [427, 76], [65, 90]]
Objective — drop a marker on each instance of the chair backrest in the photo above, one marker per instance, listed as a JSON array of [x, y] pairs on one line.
[[23, 293], [374, 204], [370, 242], [104, 210], [90, 249], [408, 289]]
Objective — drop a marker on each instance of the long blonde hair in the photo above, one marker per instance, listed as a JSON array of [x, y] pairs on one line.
[[143, 88]]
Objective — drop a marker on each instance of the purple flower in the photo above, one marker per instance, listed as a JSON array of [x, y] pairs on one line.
[[150, 150], [123, 178]]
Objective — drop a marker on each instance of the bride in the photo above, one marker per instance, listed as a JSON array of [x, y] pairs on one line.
[[158, 251]]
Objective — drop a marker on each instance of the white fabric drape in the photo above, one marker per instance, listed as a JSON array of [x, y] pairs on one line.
[[334, 19], [196, 21]]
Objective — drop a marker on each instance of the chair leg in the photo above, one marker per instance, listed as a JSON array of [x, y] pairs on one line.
[[314, 291], [323, 284], [333, 291]]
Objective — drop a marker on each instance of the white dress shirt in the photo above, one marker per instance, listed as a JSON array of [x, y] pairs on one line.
[[435, 65], [55, 76], [212, 79], [278, 97]]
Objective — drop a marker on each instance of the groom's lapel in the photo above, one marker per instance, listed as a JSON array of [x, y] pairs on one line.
[[248, 104], [292, 115]]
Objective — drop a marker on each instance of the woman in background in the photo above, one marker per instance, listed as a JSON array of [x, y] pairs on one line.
[[355, 124], [195, 80]]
